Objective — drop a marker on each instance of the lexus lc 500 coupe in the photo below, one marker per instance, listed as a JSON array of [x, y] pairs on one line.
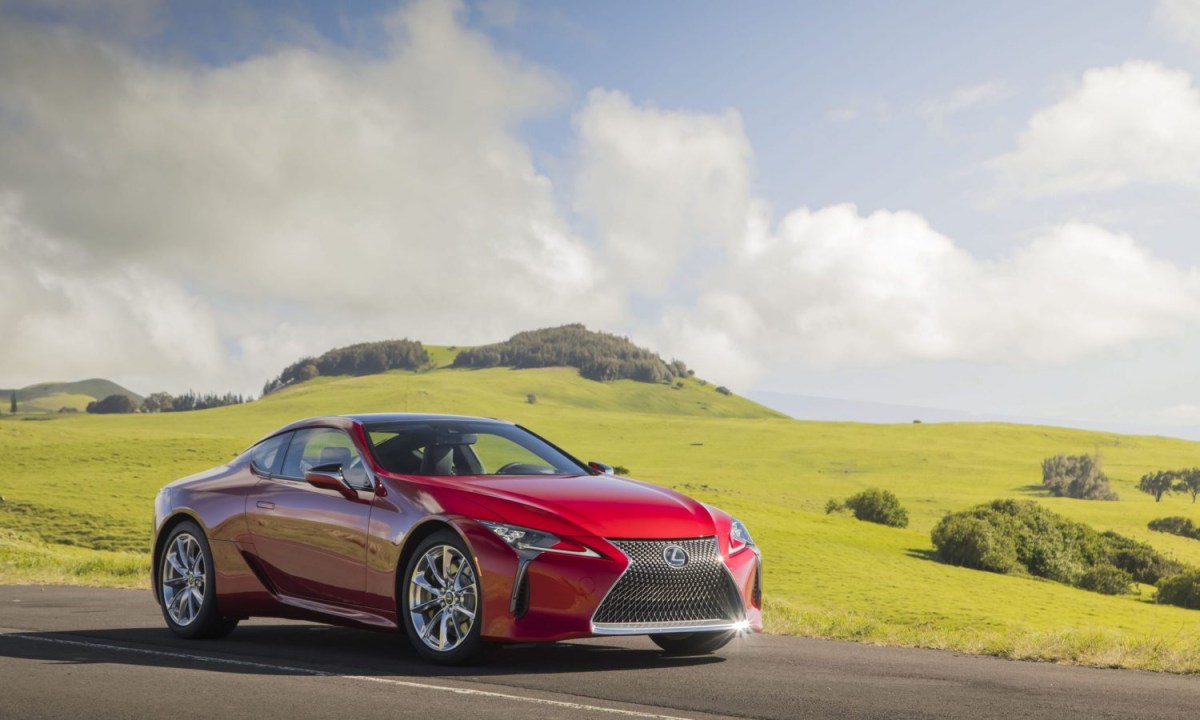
[[460, 532]]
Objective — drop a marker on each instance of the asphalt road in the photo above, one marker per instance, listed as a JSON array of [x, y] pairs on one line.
[[90, 653]]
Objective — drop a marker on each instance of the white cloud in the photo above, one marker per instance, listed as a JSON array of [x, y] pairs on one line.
[[1181, 18], [659, 185], [964, 99], [1137, 123], [66, 316], [380, 195], [834, 288]]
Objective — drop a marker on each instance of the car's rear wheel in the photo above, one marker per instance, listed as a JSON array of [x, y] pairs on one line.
[[187, 586], [695, 643], [441, 599]]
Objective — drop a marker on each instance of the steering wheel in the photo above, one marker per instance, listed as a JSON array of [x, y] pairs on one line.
[[521, 468]]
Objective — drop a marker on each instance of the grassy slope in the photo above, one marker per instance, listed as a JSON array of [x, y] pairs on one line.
[[50, 396], [91, 479]]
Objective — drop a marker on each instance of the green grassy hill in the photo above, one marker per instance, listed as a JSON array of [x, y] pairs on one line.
[[88, 482], [48, 397]]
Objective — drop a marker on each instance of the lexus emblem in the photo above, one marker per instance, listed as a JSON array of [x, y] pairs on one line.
[[675, 556]]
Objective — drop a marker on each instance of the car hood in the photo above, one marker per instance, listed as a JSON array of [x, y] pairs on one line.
[[601, 505]]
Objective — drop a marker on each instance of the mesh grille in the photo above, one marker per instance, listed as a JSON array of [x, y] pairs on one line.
[[651, 591]]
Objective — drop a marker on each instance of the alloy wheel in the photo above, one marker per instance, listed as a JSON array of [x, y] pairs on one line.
[[443, 598], [184, 579]]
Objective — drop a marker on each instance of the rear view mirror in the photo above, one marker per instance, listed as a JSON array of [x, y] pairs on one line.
[[601, 467]]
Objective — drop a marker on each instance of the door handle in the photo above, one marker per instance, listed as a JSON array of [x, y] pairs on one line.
[[265, 505]]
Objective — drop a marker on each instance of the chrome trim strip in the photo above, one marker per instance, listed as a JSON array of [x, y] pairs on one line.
[[585, 552], [665, 627]]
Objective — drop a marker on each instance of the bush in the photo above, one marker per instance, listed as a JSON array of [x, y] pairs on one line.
[[1076, 476], [1022, 537], [724, 390], [1105, 579], [1180, 526], [1182, 589], [873, 505], [1141, 561], [531, 399], [975, 543]]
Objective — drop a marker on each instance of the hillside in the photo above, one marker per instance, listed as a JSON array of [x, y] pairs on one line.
[[89, 481], [50, 396]]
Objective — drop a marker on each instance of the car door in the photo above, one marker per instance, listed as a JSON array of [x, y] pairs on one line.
[[311, 541]]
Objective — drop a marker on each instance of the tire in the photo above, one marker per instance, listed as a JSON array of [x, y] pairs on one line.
[[697, 643], [187, 588], [443, 620]]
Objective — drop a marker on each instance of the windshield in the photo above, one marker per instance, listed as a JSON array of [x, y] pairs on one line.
[[463, 447]]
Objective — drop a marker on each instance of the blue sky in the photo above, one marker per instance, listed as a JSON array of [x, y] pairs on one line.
[[983, 207]]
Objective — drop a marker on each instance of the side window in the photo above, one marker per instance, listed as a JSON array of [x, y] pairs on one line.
[[266, 455], [325, 448]]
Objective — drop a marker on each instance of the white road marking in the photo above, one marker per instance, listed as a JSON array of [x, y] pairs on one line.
[[321, 673]]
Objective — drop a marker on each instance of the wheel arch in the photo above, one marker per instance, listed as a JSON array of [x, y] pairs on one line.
[[414, 538], [179, 517]]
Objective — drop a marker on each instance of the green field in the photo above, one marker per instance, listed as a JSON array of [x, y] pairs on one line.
[[87, 482]]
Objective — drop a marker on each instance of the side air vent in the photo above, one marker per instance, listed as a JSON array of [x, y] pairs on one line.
[[520, 600]]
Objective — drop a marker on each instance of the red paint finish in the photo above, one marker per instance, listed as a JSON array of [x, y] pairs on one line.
[[283, 547]]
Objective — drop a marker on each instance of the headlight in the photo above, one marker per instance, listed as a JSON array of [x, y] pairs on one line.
[[739, 537], [525, 540]]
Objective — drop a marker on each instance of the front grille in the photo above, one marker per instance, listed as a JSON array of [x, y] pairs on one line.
[[651, 593]]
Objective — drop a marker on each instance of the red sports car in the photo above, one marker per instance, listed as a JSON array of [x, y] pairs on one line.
[[462, 532]]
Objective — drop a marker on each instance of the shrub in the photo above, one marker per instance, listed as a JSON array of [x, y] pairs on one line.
[[1012, 536], [1181, 526], [1076, 476], [724, 390], [531, 399], [1182, 589], [1105, 579], [975, 543], [873, 505], [1141, 561]]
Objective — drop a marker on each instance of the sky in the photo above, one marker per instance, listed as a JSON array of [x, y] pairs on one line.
[[983, 207]]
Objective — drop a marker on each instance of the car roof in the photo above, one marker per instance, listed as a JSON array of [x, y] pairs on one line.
[[364, 418], [345, 422]]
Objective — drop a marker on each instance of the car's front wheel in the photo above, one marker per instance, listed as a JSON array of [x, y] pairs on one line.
[[695, 643], [441, 601], [187, 586]]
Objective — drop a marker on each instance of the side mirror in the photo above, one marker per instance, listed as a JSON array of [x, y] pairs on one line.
[[330, 479], [600, 467]]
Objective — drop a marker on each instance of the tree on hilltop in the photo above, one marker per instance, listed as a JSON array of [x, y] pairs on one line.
[[112, 405]]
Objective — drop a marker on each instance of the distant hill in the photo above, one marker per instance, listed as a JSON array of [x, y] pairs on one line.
[[597, 356], [50, 396]]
